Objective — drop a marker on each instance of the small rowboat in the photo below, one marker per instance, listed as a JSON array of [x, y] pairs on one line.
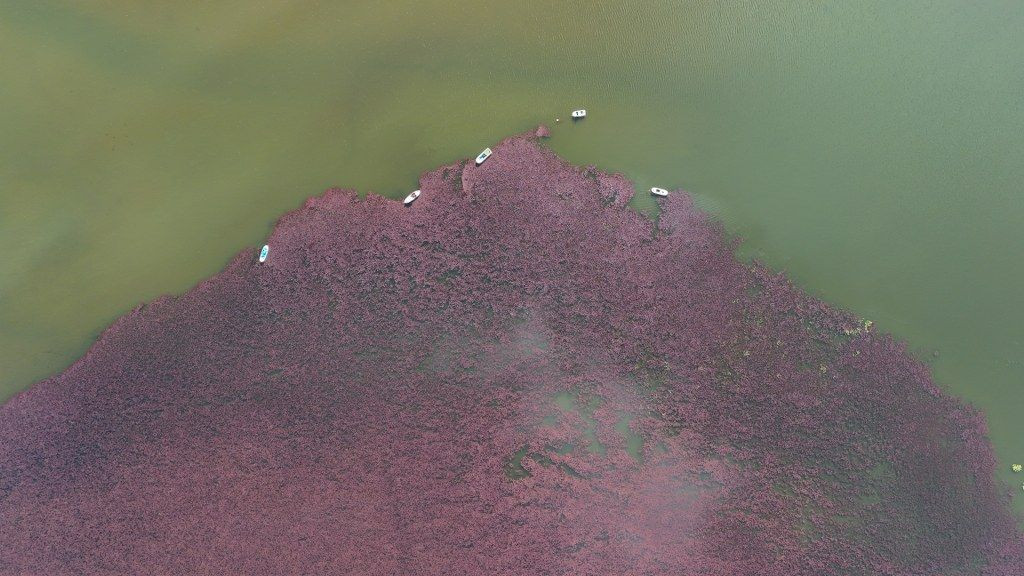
[[412, 197], [659, 192], [577, 114], [483, 156], [264, 253]]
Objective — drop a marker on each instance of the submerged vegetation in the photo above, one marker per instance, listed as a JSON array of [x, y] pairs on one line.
[[515, 375]]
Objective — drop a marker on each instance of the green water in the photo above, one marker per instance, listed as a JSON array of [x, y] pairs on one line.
[[873, 150]]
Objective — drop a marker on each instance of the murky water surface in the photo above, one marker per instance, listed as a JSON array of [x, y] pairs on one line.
[[870, 149]]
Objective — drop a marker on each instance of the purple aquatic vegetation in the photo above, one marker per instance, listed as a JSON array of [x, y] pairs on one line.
[[515, 375]]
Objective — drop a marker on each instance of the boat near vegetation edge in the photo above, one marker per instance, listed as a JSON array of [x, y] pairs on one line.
[[483, 156], [411, 197], [264, 252], [659, 192]]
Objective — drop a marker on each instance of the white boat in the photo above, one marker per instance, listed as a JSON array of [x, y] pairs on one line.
[[264, 253], [659, 191], [412, 197], [483, 156], [579, 113]]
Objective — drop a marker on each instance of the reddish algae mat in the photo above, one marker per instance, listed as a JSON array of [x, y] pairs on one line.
[[517, 374]]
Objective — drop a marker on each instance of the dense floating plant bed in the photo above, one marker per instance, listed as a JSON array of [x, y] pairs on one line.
[[515, 375]]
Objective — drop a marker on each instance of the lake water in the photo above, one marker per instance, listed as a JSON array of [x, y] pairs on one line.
[[872, 150]]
